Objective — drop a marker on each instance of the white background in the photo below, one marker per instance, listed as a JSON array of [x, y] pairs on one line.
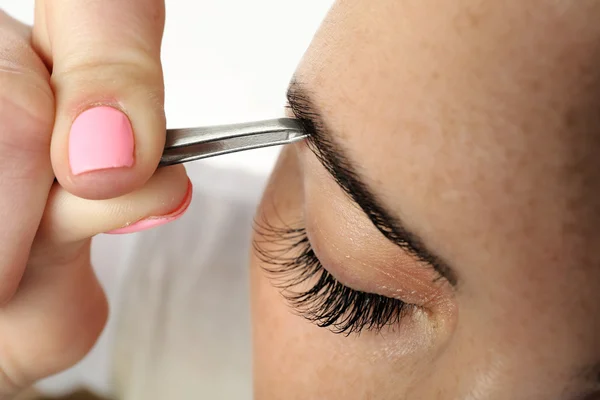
[[225, 61]]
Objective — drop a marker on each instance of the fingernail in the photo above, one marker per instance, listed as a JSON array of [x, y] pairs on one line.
[[100, 138], [153, 222]]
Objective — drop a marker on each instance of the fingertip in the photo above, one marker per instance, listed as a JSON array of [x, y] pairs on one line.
[[69, 219], [110, 124], [102, 156], [101, 138], [156, 221], [103, 185]]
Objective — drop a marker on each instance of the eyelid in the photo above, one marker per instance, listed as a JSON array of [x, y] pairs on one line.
[[376, 266], [362, 258]]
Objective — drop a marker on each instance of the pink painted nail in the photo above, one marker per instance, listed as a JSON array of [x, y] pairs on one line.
[[153, 222], [100, 138]]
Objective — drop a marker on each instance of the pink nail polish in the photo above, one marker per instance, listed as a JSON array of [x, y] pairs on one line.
[[153, 222], [100, 138]]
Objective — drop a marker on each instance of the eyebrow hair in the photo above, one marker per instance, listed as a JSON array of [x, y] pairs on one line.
[[339, 166]]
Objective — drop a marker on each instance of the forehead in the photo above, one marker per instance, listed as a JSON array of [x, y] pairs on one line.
[[445, 127], [481, 145]]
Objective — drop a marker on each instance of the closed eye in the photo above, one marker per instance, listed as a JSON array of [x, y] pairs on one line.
[[313, 292]]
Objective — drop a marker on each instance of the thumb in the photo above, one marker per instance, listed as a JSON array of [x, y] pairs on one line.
[[110, 126]]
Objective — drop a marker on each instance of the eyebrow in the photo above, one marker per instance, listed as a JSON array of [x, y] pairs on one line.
[[339, 166]]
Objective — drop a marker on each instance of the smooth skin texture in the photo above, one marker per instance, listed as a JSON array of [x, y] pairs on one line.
[[476, 123], [53, 308]]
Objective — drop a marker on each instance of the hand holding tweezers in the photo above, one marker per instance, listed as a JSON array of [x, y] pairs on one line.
[[184, 145]]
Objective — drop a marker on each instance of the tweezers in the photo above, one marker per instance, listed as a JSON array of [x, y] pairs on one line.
[[189, 144]]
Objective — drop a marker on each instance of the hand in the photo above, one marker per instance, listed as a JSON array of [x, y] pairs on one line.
[[96, 122]]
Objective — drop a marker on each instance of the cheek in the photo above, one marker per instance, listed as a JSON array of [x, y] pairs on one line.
[[286, 348], [293, 356], [287, 352]]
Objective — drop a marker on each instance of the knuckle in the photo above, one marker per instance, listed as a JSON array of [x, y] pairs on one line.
[[25, 133], [129, 66], [16, 52], [26, 103]]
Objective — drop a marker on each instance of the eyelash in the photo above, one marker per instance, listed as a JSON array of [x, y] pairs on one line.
[[327, 303]]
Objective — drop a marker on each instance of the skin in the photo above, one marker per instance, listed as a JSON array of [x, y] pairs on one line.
[[52, 308], [475, 124]]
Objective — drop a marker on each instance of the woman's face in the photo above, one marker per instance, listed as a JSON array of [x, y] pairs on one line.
[[436, 237]]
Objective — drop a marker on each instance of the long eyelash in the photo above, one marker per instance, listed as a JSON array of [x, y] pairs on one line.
[[327, 303]]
